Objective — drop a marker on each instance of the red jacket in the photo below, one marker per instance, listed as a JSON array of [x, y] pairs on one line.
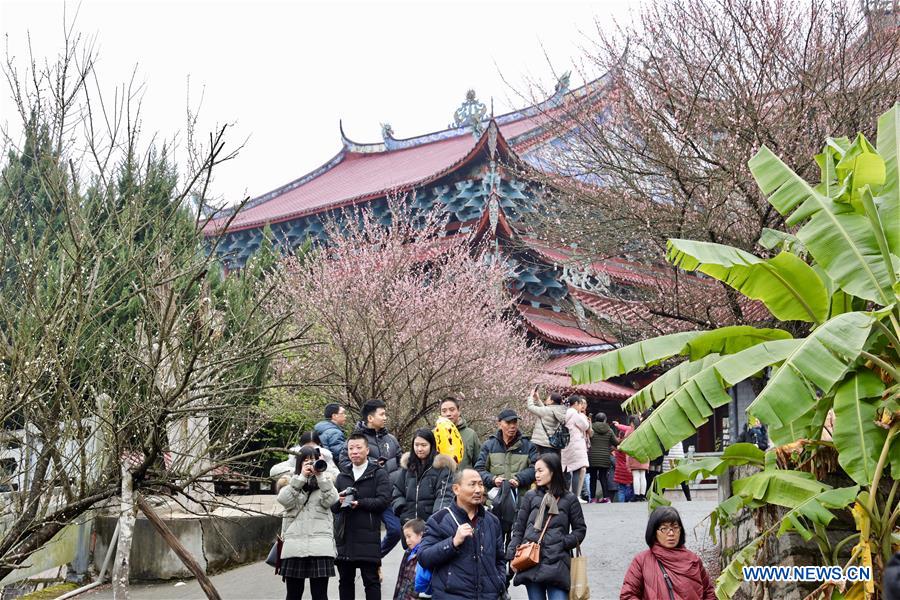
[[644, 579], [622, 474]]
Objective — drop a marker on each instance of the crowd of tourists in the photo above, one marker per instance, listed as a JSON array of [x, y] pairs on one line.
[[503, 511]]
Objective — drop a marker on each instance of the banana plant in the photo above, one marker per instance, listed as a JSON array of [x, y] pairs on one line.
[[837, 269]]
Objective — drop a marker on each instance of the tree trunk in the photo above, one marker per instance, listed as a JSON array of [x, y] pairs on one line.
[[178, 548], [126, 535]]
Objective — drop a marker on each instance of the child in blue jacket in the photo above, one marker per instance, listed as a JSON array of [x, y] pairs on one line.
[[413, 581]]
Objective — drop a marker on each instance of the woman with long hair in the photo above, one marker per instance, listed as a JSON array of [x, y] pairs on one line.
[[425, 483], [666, 569], [553, 509], [307, 527], [575, 455]]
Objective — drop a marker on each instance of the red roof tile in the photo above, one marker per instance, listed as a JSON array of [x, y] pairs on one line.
[[601, 389], [356, 176], [558, 364], [557, 328]]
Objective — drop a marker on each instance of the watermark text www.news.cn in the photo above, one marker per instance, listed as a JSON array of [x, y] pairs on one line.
[[806, 573]]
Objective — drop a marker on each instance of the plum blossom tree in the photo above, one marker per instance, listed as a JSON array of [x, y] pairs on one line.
[[695, 88], [400, 313]]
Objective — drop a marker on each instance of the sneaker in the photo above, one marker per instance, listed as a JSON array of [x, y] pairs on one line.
[[582, 500], [603, 501]]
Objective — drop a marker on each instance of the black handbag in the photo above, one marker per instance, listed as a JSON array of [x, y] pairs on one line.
[[274, 557], [560, 437]]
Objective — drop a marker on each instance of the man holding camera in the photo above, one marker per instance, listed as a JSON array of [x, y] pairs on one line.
[[364, 493], [385, 451]]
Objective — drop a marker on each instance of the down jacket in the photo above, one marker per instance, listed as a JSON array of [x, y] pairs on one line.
[[575, 455], [603, 440], [384, 449], [474, 571], [549, 418], [331, 436], [358, 530], [513, 461], [644, 579], [420, 497], [564, 532], [307, 526]]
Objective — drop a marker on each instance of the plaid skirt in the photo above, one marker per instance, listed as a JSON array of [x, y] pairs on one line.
[[307, 567]]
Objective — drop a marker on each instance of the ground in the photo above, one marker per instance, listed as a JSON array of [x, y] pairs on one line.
[[615, 535]]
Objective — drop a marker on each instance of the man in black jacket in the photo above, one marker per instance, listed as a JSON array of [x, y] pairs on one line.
[[385, 451], [463, 545], [358, 526]]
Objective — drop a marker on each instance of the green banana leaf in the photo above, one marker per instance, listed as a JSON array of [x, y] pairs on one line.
[[840, 239], [693, 344], [687, 470], [635, 356], [668, 383], [775, 238], [730, 340], [817, 362], [788, 286], [785, 488], [692, 395], [857, 438], [888, 200], [817, 510], [732, 575]]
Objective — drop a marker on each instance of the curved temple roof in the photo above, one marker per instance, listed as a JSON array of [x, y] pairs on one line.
[[363, 171]]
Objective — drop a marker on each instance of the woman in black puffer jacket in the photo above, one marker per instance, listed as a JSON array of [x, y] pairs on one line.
[[565, 530], [425, 483]]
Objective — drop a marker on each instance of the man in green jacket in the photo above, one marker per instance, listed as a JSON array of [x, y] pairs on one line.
[[507, 455], [471, 443]]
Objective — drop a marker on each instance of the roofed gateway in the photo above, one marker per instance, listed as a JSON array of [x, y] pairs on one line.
[[477, 171]]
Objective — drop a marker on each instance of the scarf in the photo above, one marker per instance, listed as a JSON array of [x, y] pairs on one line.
[[548, 504], [684, 568]]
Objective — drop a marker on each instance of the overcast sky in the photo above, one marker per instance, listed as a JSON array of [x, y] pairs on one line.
[[285, 72]]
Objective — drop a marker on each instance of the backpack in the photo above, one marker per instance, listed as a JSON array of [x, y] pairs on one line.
[[560, 437]]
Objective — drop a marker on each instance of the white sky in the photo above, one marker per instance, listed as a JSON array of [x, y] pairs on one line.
[[285, 72]]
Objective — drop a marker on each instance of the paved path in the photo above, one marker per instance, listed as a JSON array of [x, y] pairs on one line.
[[615, 535]]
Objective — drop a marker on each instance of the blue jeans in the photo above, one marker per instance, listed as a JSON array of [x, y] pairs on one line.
[[539, 591], [625, 493], [392, 531]]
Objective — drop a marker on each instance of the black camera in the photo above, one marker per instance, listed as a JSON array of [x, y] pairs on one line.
[[349, 496], [320, 466]]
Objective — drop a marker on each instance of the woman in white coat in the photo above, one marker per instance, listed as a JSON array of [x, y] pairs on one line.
[[307, 528], [575, 454]]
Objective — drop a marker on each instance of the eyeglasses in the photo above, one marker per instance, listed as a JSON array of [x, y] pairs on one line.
[[667, 529]]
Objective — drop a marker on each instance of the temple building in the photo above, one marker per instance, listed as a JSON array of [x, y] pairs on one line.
[[477, 170]]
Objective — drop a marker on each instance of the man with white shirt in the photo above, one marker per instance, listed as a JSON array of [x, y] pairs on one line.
[[358, 521]]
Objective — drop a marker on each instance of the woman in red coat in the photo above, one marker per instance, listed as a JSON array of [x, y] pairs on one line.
[[667, 570]]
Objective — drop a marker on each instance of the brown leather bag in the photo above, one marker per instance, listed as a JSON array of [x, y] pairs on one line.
[[529, 553]]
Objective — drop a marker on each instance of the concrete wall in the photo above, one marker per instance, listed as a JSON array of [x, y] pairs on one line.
[[215, 542]]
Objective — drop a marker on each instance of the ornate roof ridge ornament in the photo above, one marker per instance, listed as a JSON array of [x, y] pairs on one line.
[[470, 114]]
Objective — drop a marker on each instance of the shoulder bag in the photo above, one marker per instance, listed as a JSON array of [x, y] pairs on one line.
[[529, 553], [560, 437], [274, 557], [669, 585]]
